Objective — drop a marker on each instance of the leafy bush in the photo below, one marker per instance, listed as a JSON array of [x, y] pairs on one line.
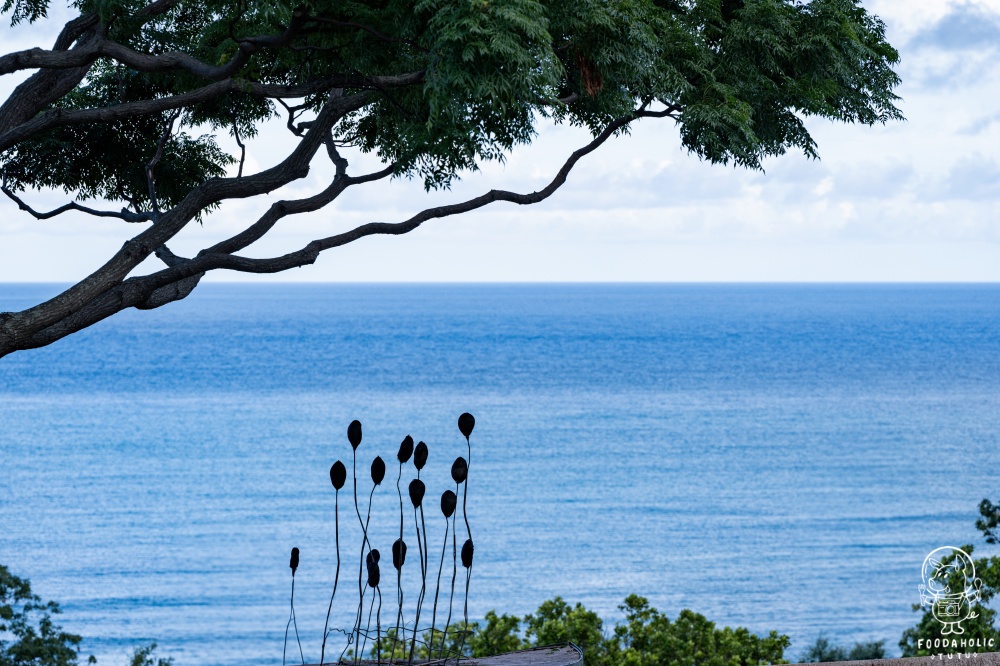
[[457, 641], [28, 637], [823, 650], [144, 657], [498, 636], [647, 638], [555, 621], [989, 521], [917, 641]]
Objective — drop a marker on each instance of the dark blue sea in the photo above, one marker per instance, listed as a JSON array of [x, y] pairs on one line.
[[775, 457]]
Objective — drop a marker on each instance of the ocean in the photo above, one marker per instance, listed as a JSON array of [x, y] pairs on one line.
[[779, 457]]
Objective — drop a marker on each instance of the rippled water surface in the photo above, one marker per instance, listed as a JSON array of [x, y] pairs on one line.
[[777, 457]]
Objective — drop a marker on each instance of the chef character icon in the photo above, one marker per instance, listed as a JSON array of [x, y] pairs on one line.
[[950, 587]]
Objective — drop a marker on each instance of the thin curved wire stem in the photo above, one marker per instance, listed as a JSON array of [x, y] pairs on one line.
[[399, 571], [364, 637], [284, 648], [423, 584], [468, 577], [295, 624], [437, 587], [465, 490], [378, 627], [454, 575], [292, 622], [465, 515], [364, 542], [336, 577]]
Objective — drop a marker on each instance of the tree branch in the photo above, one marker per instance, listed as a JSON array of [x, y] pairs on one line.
[[44, 87], [16, 328], [68, 118], [559, 101], [281, 209], [171, 292], [156, 8], [153, 291], [297, 131], [164, 254], [157, 156], [220, 256], [243, 148], [177, 280], [37, 58], [125, 214], [60, 58], [178, 290]]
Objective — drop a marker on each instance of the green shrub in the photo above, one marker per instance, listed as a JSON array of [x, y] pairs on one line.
[[28, 637], [983, 628], [144, 657], [823, 650], [867, 651], [649, 638], [555, 621], [498, 636]]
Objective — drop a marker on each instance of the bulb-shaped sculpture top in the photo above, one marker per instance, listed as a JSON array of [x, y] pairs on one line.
[[338, 475], [372, 562], [405, 450], [459, 470], [448, 503], [354, 434], [294, 561], [378, 470], [398, 553], [420, 456], [467, 550], [417, 490], [466, 422]]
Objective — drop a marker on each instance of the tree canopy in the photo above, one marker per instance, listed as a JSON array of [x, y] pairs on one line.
[[125, 109]]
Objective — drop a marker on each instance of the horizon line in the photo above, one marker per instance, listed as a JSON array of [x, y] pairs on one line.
[[562, 282]]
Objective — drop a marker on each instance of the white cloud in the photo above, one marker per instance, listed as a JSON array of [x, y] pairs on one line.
[[974, 177]]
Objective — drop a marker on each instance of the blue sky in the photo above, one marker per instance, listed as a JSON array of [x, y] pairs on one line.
[[912, 201]]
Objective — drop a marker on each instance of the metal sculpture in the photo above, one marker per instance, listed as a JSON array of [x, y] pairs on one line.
[[417, 490], [354, 437], [371, 562], [399, 546], [398, 560], [466, 423], [459, 473], [448, 503], [338, 476], [377, 475], [369, 573], [293, 563]]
